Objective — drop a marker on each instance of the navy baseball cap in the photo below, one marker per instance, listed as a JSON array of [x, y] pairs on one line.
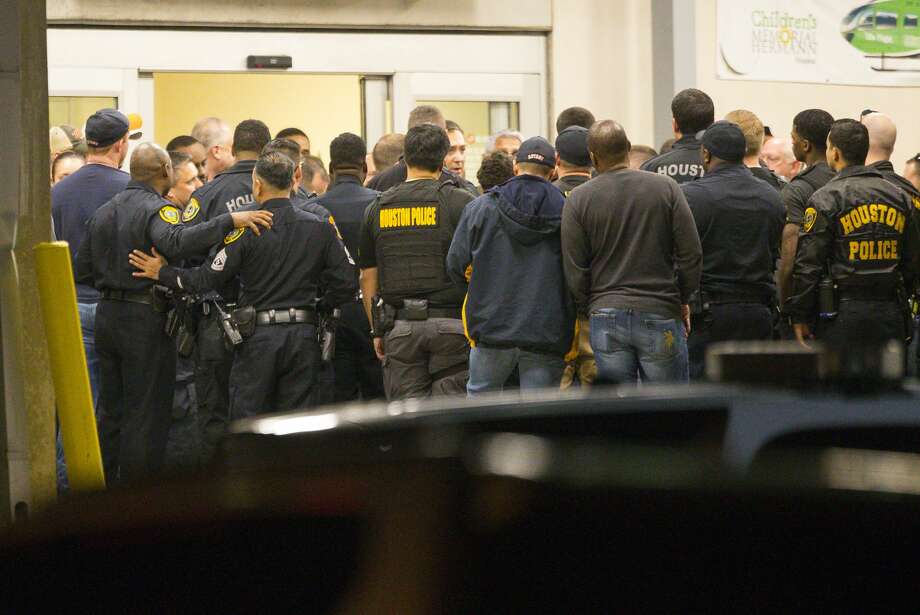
[[725, 140], [572, 145], [537, 150], [105, 127]]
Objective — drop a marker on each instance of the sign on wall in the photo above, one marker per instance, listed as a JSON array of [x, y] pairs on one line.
[[851, 42]]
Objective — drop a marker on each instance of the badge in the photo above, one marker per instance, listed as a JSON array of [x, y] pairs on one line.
[[191, 210], [811, 216], [234, 235], [220, 260], [169, 214], [916, 202]]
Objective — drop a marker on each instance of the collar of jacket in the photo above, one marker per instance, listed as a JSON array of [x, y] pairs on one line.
[[858, 170], [883, 166], [242, 166], [136, 185], [273, 204], [345, 178], [687, 142]]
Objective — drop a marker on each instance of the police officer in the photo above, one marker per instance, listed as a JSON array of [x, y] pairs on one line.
[[573, 162], [277, 365], [405, 237], [137, 358], [230, 190], [693, 112], [809, 144], [739, 219], [357, 370], [858, 236]]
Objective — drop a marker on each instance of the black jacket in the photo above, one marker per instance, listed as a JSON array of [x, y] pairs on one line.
[[281, 268], [309, 202], [887, 171], [229, 191], [346, 200], [396, 175], [776, 182], [570, 182], [801, 187], [739, 219], [683, 163], [140, 219], [517, 295], [861, 225]]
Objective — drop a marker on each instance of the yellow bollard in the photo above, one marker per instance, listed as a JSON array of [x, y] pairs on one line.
[[68, 366]]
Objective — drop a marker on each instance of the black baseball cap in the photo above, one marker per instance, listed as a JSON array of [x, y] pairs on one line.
[[725, 140], [105, 127], [537, 150], [572, 145]]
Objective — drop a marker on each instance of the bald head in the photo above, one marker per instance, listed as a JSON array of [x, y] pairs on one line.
[[608, 144], [882, 135], [150, 165]]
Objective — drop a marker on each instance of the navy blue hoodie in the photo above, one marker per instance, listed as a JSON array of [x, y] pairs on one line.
[[517, 296]]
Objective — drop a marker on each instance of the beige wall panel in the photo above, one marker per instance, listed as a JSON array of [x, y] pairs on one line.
[[323, 106], [777, 103], [600, 55], [376, 14]]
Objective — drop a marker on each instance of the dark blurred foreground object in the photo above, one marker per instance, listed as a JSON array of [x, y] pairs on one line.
[[493, 523]]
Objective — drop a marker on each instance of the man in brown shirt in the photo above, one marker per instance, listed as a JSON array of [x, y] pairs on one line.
[[632, 259]]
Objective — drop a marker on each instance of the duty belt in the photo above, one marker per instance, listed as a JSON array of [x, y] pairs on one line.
[[285, 317], [402, 314], [857, 293], [131, 296]]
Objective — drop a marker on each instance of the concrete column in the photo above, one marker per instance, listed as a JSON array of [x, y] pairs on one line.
[[674, 58], [27, 471]]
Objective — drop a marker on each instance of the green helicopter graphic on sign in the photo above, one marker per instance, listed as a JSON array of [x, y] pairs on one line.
[[886, 30]]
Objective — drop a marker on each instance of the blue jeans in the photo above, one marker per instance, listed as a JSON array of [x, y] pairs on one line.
[[630, 346], [490, 368], [88, 326]]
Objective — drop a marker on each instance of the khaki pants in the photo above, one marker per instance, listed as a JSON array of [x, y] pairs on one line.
[[425, 358], [582, 366]]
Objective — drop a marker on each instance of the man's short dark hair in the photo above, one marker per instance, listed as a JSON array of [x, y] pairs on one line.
[[287, 133], [852, 139], [312, 165], [180, 142], [426, 114], [388, 150], [285, 146], [496, 168], [347, 151], [276, 169], [813, 125], [452, 126], [178, 159], [426, 147], [693, 111], [574, 116], [250, 136]]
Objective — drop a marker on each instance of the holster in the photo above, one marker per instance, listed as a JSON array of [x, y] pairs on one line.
[[906, 312], [244, 319], [384, 317], [326, 333], [161, 299], [185, 341], [173, 323]]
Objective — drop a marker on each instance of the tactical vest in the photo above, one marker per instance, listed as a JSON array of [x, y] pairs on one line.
[[411, 247]]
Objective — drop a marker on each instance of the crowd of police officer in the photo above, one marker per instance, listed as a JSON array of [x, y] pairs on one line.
[[284, 299]]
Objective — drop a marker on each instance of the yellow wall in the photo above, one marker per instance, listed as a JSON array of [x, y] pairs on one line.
[[75, 110], [321, 105]]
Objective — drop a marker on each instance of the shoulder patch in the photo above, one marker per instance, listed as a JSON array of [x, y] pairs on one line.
[[169, 214], [191, 210], [234, 235], [916, 202], [808, 222]]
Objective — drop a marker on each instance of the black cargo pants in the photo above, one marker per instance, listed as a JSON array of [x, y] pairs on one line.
[[425, 358]]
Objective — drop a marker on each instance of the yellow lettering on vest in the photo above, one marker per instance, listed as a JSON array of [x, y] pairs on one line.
[[901, 221], [854, 250], [873, 212], [894, 249], [854, 219], [891, 218], [883, 212], [863, 214], [846, 225], [863, 250], [873, 255]]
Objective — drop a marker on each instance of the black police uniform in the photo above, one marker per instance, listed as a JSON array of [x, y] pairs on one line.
[[740, 223], [858, 230], [278, 366], [309, 202], [229, 191], [406, 235], [397, 174], [569, 182], [776, 182], [801, 187], [357, 371], [683, 163], [137, 358]]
